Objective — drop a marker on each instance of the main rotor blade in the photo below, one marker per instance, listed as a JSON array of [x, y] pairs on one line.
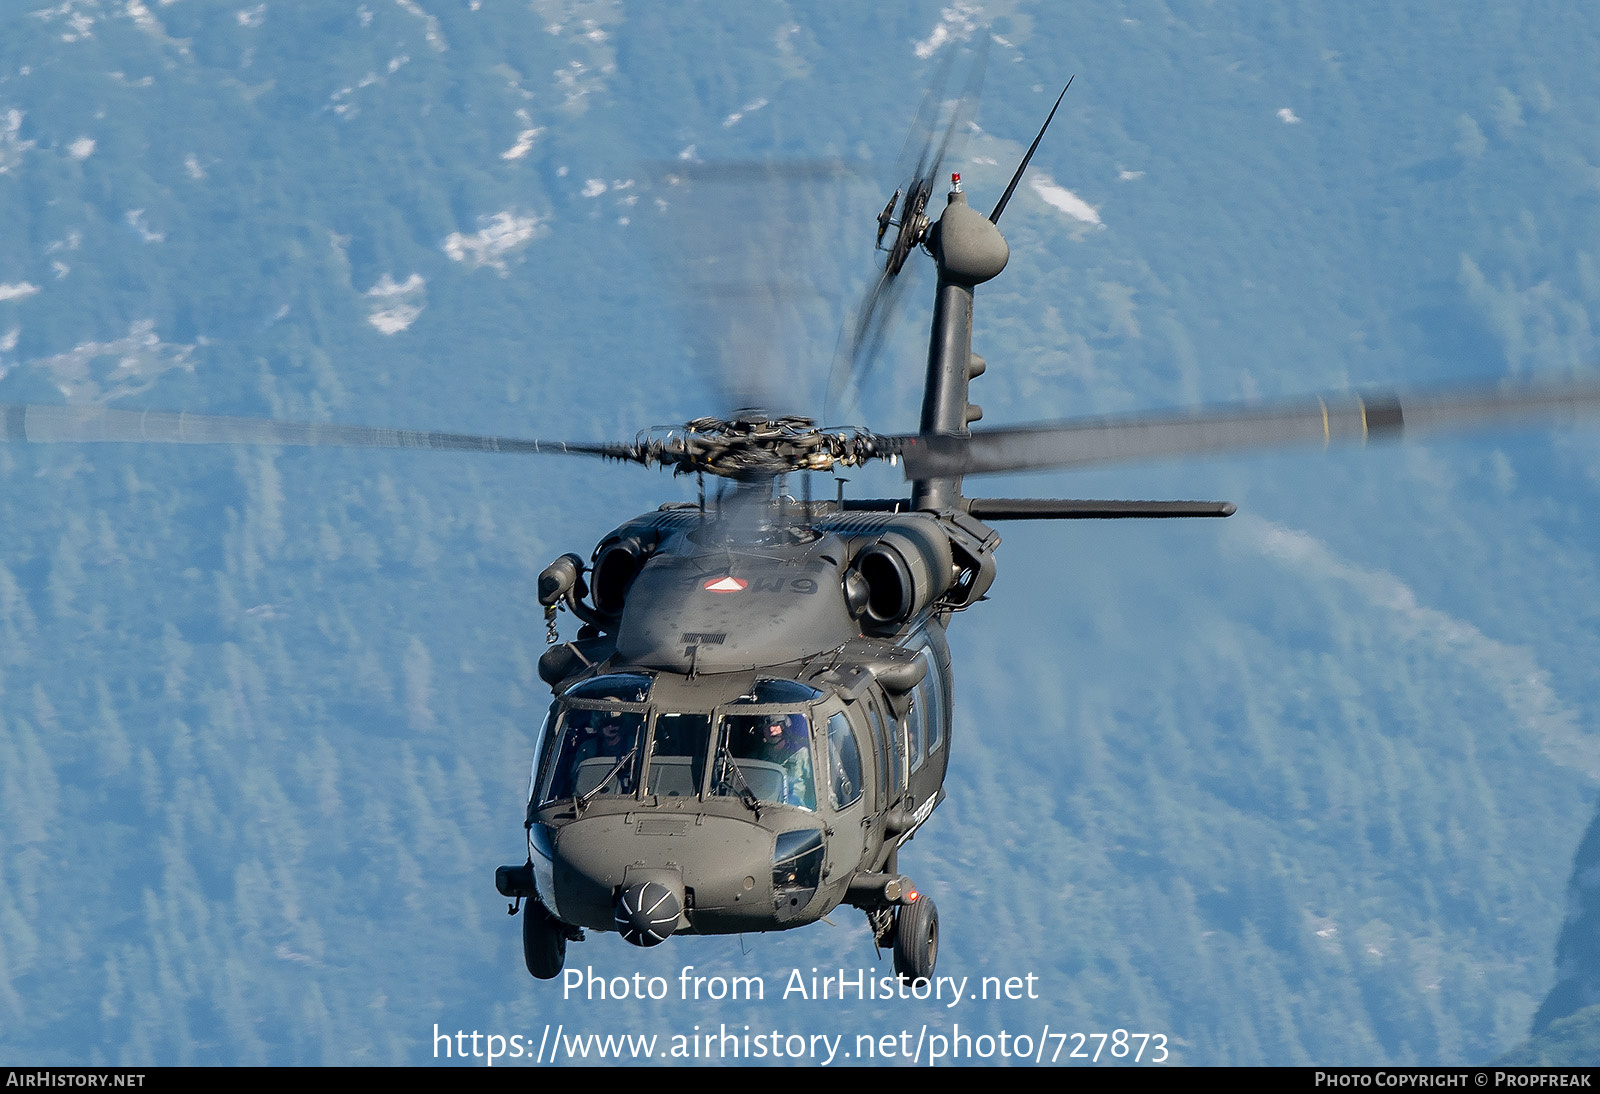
[[1339, 419], [742, 247], [34, 424]]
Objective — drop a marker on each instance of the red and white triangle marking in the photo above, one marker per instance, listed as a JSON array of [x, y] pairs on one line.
[[728, 584]]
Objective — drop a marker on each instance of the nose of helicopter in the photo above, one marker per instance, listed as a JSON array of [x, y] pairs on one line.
[[648, 876]]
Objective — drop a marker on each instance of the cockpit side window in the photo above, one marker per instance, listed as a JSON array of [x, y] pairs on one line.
[[767, 755], [544, 748], [599, 754]]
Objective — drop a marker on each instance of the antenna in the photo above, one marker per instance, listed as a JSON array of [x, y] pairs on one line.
[[994, 217]]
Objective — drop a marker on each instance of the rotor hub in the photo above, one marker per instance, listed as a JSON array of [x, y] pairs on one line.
[[756, 447]]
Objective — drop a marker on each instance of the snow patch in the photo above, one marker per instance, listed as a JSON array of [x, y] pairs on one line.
[[396, 304], [12, 146], [102, 371], [135, 219], [499, 235], [1059, 197], [430, 24], [957, 23]]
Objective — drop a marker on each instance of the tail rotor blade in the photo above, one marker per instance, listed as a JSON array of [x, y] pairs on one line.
[[937, 133]]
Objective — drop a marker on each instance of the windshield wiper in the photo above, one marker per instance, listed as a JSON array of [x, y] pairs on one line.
[[745, 794], [620, 764]]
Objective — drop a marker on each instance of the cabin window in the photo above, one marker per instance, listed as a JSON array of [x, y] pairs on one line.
[[888, 759], [599, 754], [916, 736], [767, 756], [932, 688], [925, 723], [844, 764]]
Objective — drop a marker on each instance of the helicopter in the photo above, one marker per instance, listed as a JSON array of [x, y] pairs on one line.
[[757, 714]]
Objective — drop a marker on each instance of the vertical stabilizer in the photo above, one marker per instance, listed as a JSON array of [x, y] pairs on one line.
[[969, 250]]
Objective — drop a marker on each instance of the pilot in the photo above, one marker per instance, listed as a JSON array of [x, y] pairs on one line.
[[586, 738], [784, 743], [611, 737], [614, 745], [598, 735]]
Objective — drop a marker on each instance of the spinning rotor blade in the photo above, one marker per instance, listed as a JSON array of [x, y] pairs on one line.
[[863, 338], [743, 245], [748, 449], [932, 139], [940, 141], [1320, 421], [34, 424]]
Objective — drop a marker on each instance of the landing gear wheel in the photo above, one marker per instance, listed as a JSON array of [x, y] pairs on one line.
[[916, 942], [544, 943]]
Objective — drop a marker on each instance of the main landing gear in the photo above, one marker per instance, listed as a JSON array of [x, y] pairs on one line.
[[544, 941], [907, 923], [544, 937], [916, 938]]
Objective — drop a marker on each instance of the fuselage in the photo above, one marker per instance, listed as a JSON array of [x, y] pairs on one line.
[[748, 731]]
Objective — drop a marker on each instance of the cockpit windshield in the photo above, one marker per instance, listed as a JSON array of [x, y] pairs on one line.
[[599, 754], [678, 760], [767, 756], [604, 740]]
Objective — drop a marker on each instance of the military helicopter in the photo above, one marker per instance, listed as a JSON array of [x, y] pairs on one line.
[[756, 714]]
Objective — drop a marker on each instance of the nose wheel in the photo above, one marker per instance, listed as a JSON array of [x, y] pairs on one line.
[[916, 939]]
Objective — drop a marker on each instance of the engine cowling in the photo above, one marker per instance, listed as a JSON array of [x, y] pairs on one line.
[[904, 572]]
